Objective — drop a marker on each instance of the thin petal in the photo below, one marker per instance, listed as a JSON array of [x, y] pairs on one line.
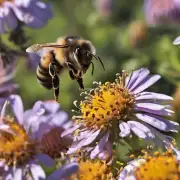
[[141, 130], [51, 106], [91, 136], [153, 109], [17, 107], [144, 85], [142, 76], [11, 20], [37, 172], [100, 146], [124, 129], [18, 174], [128, 173], [46, 160], [159, 122], [70, 130], [133, 77], [38, 108], [155, 97], [65, 171]]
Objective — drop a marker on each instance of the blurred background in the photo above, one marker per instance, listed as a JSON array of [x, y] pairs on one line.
[[127, 35]]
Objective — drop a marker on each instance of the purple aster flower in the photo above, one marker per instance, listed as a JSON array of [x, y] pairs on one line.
[[162, 11], [20, 154], [116, 110], [28, 139], [157, 166], [33, 13], [46, 122], [6, 84]]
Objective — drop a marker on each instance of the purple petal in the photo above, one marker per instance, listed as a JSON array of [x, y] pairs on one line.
[[46, 160], [37, 172], [124, 129], [133, 77], [31, 122], [38, 108], [159, 122], [155, 97], [65, 171], [18, 174], [40, 14], [128, 173], [153, 109], [2, 25], [161, 139], [145, 84], [107, 152], [17, 107], [100, 146], [92, 136], [70, 130], [84, 142], [59, 119], [51, 106], [11, 20], [142, 76], [140, 130], [2, 162]]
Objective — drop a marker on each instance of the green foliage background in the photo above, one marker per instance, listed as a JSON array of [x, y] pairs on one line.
[[110, 36]]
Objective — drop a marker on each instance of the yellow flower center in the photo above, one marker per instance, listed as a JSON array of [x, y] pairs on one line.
[[107, 103], [93, 170], [16, 147], [162, 167]]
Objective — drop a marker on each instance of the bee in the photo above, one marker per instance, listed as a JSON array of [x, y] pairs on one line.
[[71, 52]]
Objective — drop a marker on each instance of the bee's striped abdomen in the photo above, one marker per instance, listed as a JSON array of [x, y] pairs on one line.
[[43, 76], [42, 72]]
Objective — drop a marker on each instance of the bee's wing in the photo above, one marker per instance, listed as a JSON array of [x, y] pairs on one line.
[[43, 48]]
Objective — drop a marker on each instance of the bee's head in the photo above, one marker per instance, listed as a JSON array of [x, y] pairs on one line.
[[83, 53]]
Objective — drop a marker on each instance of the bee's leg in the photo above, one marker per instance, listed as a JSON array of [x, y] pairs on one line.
[[80, 82], [55, 84], [71, 75], [55, 81]]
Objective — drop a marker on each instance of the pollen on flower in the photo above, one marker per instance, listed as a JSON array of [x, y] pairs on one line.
[[160, 166], [107, 103], [90, 170], [16, 147]]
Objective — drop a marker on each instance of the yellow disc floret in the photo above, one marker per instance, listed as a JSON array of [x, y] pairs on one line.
[[162, 167], [107, 103], [15, 146], [93, 170]]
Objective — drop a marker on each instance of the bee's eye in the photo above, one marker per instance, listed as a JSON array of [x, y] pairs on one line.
[[77, 51]]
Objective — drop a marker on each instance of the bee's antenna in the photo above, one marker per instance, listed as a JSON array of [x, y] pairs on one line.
[[92, 68], [98, 58]]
